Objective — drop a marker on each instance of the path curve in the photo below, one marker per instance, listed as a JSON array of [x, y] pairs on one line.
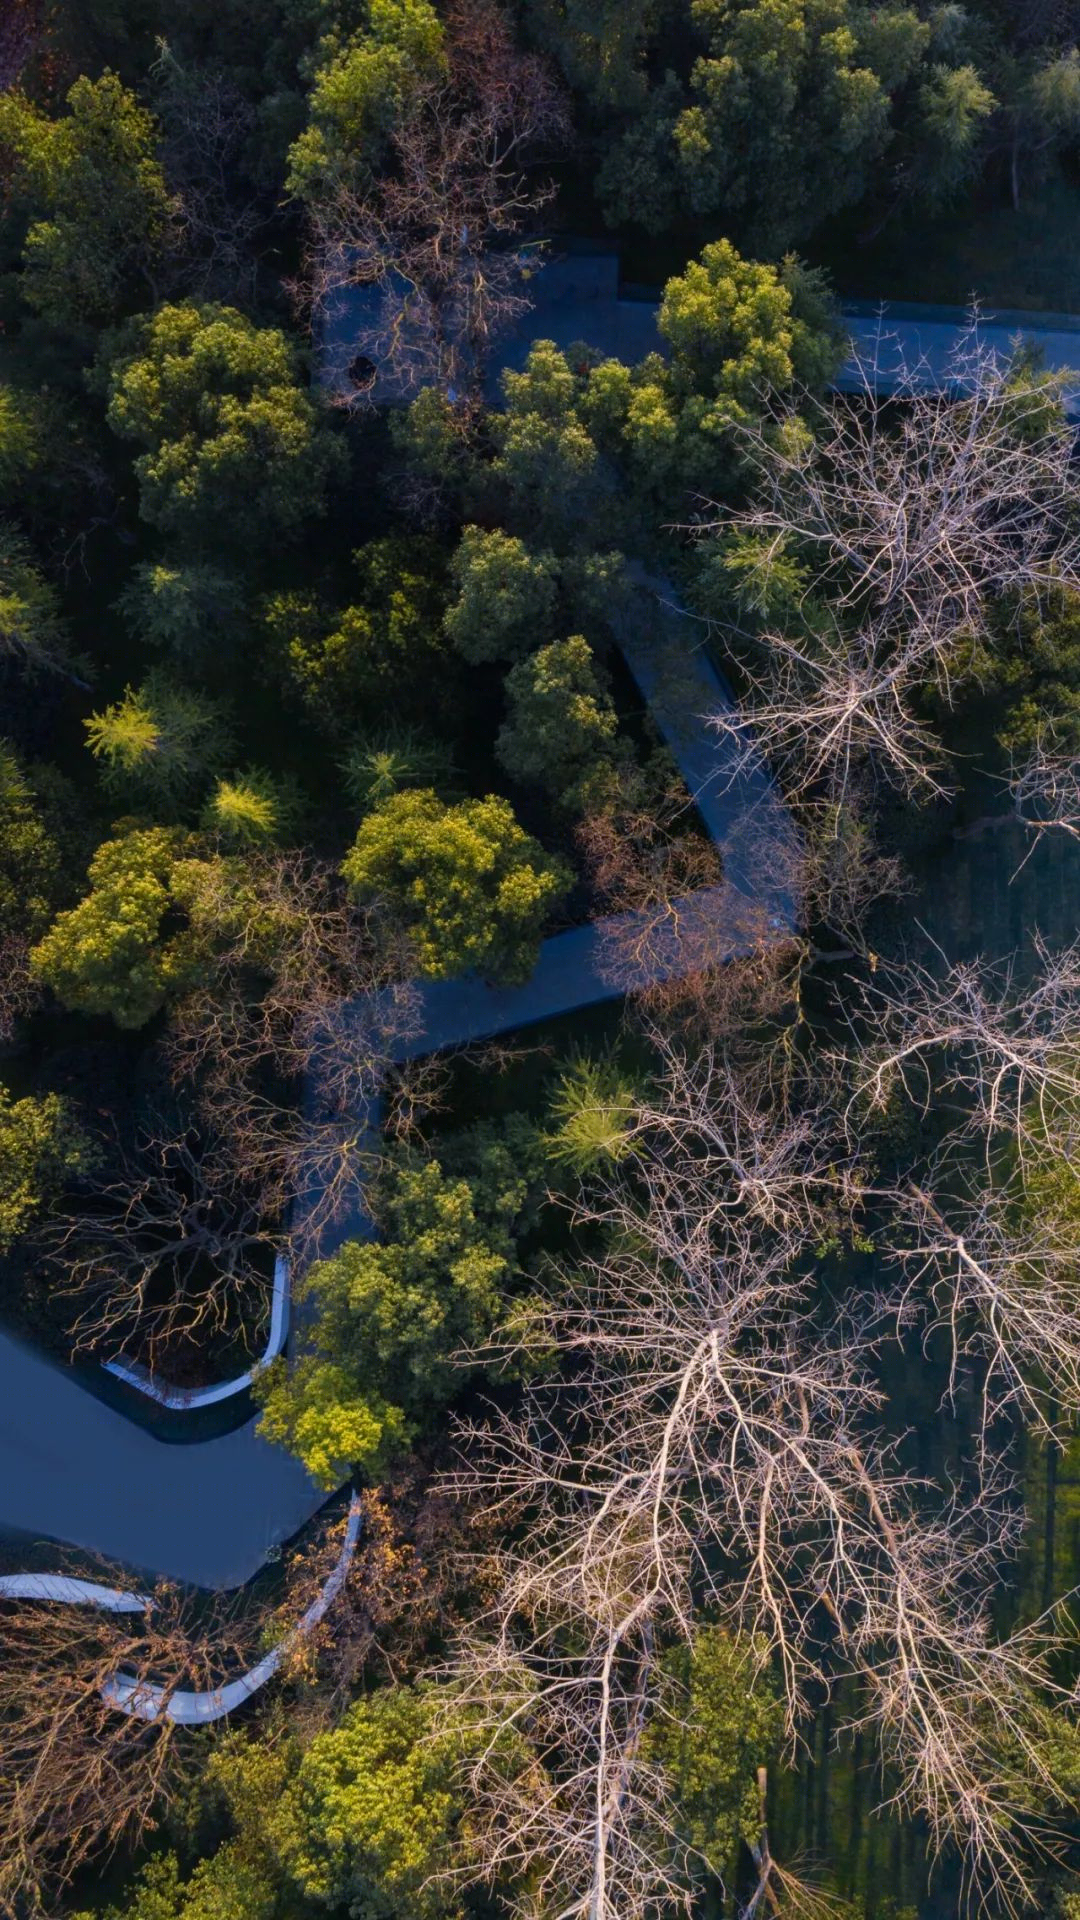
[[185, 1707], [187, 1399], [207, 1513]]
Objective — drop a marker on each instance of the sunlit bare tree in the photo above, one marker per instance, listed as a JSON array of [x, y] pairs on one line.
[[889, 521], [1045, 788], [1001, 1048], [712, 1443], [78, 1778]]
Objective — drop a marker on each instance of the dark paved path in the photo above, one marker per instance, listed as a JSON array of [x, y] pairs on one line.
[[75, 1470]]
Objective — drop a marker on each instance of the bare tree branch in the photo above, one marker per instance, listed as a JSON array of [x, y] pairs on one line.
[[430, 236], [906, 509], [712, 1444]]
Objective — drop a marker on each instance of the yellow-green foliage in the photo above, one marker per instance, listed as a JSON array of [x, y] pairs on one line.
[[249, 810], [41, 1145], [160, 740], [377, 1812], [359, 90], [155, 909], [101, 208], [389, 1316], [234, 446], [594, 1105], [473, 888]]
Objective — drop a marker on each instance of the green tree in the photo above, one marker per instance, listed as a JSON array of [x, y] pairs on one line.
[[377, 1811], [29, 854], [101, 212], [235, 450], [1030, 666], [160, 742], [506, 596], [229, 1885], [359, 89], [472, 887], [600, 46], [387, 652], [251, 810], [594, 1107], [721, 1719], [548, 477], [31, 628], [562, 726], [737, 329], [20, 441], [41, 1146], [789, 113], [190, 608], [390, 1315], [379, 764], [1039, 96], [954, 105], [130, 943]]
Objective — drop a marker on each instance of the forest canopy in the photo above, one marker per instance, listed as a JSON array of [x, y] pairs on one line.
[[539, 983]]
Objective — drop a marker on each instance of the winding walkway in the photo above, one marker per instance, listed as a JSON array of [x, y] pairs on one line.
[[206, 1513], [75, 1469]]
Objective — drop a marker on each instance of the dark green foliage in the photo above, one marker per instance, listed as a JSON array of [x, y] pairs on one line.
[[384, 655], [29, 854], [32, 636], [380, 764], [1038, 673], [727, 1720], [191, 609], [784, 118], [506, 596], [159, 743], [560, 734]]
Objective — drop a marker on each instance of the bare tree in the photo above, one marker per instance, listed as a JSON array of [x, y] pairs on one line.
[[207, 128], [283, 1056], [173, 1246], [432, 236], [910, 507], [1045, 788], [78, 1778], [711, 1445], [1002, 1049], [1000, 1281], [321, 1010]]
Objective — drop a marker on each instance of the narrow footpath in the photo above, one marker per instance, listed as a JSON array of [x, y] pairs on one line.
[[73, 1469]]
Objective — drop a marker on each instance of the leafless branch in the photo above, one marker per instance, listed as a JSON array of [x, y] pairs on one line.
[[712, 1441], [908, 507], [78, 1778], [1045, 788], [433, 239]]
